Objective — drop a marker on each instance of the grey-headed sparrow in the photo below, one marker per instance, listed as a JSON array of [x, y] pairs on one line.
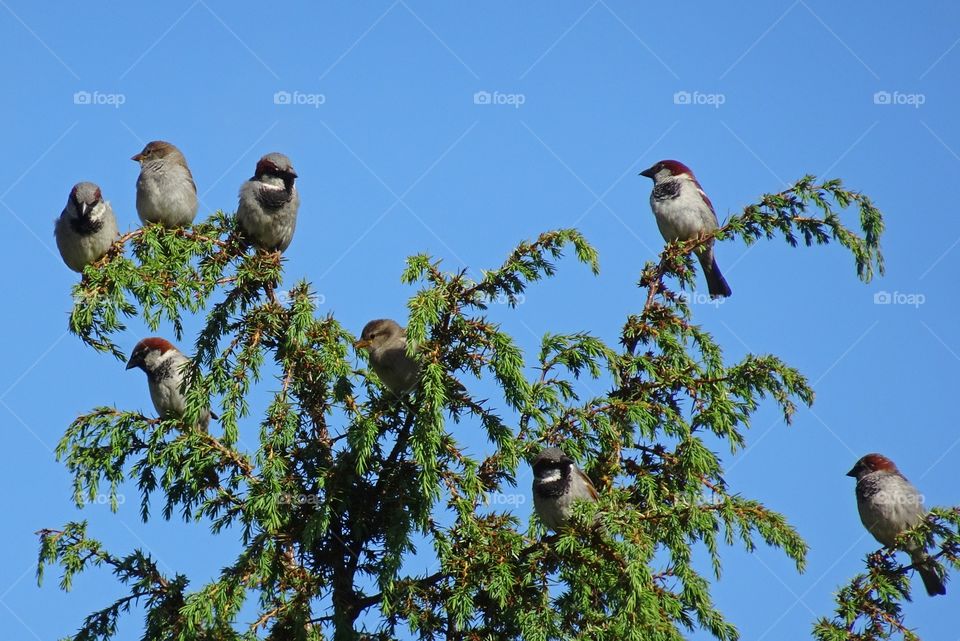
[[86, 228], [557, 484], [267, 213]]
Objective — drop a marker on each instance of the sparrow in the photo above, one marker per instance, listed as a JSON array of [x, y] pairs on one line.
[[86, 228], [164, 365], [269, 201], [557, 484], [889, 504], [386, 342], [684, 212], [166, 193]]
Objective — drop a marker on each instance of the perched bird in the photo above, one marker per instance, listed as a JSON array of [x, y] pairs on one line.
[[387, 343], [889, 504], [86, 228], [269, 201], [164, 365], [684, 212], [166, 193], [557, 484]]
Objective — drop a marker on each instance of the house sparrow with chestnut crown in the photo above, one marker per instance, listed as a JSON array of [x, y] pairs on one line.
[[889, 504], [164, 365], [557, 484], [86, 228], [166, 193], [684, 212], [269, 201], [386, 342]]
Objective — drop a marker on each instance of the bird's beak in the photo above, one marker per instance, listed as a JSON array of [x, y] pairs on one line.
[[647, 172], [132, 363], [84, 208], [292, 173], [853, 471], [361, 344], [137, 157]]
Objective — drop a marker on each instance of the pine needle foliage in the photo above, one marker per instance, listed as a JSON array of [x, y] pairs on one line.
[[347, 482]]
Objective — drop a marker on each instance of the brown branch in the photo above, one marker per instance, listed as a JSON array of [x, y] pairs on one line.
[[266, 616]]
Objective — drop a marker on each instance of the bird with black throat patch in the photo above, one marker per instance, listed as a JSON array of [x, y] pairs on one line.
[[165, 367], [86, 228], [557, 484], [267, 212], [889, 505], [683, 212]]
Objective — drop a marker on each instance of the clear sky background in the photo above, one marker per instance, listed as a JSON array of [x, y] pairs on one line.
[[396, 157]]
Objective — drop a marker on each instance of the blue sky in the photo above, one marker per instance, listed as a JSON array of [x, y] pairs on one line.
[[376, 104]]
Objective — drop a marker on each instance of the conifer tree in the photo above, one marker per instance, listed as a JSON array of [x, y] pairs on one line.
[[347, 482]]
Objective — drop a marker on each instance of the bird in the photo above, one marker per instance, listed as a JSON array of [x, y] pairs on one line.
[[164, 365], [684, 212], [889, 504], [557, 484], [267, 212], [86, 228], [386, 342], [166, 193]]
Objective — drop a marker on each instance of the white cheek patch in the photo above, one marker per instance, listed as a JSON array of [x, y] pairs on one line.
[[551, 475]]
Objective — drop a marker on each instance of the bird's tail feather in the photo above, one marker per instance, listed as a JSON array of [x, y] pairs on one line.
[[930, 574], [716, 283]]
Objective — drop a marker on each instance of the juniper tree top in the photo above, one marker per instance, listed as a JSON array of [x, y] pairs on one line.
[[348, 482]]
